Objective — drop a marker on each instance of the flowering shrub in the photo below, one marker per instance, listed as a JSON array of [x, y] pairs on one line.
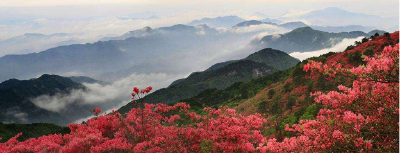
[[154, 128], [361, 117], [364, 117]]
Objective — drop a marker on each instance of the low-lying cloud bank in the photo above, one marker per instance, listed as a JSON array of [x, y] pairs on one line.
[[110, 96], [336, 48]]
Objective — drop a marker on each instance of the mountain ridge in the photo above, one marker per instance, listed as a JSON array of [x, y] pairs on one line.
[[221, 75]]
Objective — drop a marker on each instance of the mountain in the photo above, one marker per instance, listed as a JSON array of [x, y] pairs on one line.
[[15, 95], [274, 58], [288, 25], [252, 22], [283, 97], [63, 59], [222, 75], [49, 99], [347, 28], [299, 24], [85, 79], [248, 23], [114, 58], [334, 16], [373, 32], [305, 39], [271, 20], [224, 21], [293, 25], [34, 130], [34, 42]]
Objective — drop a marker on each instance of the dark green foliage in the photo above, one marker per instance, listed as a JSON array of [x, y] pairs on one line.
[[349, 47], [271, 93], [323, 84], [310, 112], [275, 108], [387, 35], [288, 87], [365, 39], [291, 119], [243, 70], [298, 75], [235, 93], [206, 146], [291, 102], [376, 34], [15, 98], [262, 107], [356, 58], [298, 113], [223, 75], [34, 130], [356, 43], [370, 51]]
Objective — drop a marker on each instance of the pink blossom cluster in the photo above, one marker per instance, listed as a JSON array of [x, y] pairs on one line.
[[157, 130], [359, 117]]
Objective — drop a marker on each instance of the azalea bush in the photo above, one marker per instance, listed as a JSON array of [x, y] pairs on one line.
[[360, 117], [153, 128]]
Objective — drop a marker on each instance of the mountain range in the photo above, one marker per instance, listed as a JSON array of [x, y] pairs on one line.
[[20, 100], [306, 39], [17, 107], [119, 53], [283, 97], [334, 16], [222, 75], [224, 21], [34, 42]]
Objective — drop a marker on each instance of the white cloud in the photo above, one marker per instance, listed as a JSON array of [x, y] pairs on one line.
[[296, 13], [337, 48], [257, 28], [96, 94], [16, 113]]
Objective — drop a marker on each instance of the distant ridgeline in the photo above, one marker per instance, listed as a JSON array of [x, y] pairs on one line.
[[284, 95], [222, 75], [104, 58], [16, 105], [279, 93], [34, 130], [307, 39]]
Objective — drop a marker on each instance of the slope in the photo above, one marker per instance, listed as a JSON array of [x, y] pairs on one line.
[[222, 75]]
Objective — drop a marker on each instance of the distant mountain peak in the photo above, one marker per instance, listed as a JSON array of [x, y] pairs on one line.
[[305, 39], [304, 29], [293, 25], [46, 76], [33, 34], [248, 23], [147, 28], [220, 21]]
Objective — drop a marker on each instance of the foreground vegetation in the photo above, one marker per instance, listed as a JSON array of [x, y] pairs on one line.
[[360, 115]]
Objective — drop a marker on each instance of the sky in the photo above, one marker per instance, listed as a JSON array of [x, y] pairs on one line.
[[99, 18], [74, 9]]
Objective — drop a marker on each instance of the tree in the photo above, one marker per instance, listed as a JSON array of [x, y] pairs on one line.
[[365, 39]]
